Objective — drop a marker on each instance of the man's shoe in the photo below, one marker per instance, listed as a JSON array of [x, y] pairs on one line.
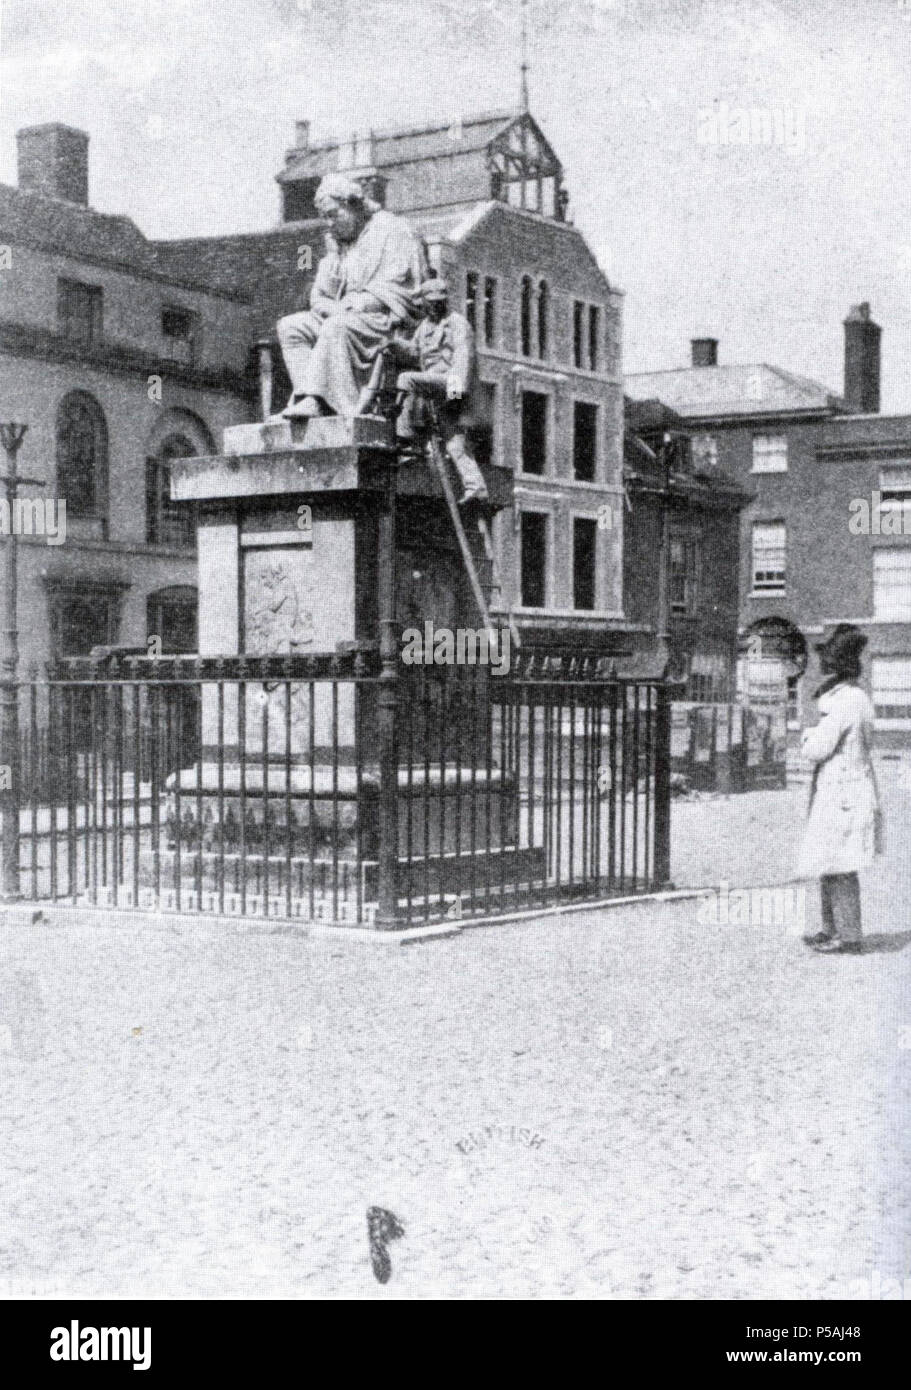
[[836, 947], [307, 408], [817, 938]]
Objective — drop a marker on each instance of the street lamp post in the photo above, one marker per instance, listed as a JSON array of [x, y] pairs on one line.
[[11, 437]]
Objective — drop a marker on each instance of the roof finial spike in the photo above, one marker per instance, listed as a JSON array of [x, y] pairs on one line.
[[523, 97]]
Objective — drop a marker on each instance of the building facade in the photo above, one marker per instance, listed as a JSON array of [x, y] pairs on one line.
[[116, 365], [827, 536], [681, 551]]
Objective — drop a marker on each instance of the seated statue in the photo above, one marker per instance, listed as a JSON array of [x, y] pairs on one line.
[[365, 290], [443, 351]]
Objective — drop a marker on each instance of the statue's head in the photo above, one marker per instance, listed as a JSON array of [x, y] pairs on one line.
[[345, 206]]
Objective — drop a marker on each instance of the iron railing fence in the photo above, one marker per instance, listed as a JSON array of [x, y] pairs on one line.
[[254, 786]]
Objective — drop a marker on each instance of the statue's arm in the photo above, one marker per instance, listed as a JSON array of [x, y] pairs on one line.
[[328, 284]]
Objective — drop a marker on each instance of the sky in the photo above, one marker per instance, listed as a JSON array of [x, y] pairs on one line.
[[763, 243]]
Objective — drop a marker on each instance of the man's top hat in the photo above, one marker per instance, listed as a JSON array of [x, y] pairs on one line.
[[842, 648]]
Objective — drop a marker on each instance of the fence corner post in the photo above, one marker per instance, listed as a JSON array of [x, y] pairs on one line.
[[387, 916], [9, 787], [662, 857]]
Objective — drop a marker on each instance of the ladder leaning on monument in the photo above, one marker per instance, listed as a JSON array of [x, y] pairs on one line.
[[373, 392]]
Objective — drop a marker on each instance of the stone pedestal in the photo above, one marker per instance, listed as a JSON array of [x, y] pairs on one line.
[[291, 563]]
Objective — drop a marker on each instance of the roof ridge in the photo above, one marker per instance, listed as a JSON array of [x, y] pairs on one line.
[[49, 200], [329, 142], [284, 228], [799, 379]]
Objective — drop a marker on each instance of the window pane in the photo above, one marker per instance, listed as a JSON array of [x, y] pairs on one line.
[[895, 479], [490, 310], [892, 584], [593, 334], [891, 681], [83, 621], [471, 297], [533, 559], [585, 441], [525, 324], [172, 617], [543, 314], [682, 574], [177, 323], [770, 453], [534, 432], [585, 532], [578, 329], [769, 555], [81, 455], [168, 522], [79, 311], [895, 498]]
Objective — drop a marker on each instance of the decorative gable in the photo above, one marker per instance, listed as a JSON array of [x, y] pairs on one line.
[[525, 172]]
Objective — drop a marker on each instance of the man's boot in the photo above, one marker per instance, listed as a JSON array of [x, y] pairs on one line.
[[469, 472]]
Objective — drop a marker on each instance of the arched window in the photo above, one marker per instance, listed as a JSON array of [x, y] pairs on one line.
[[543, 317], [82, 456], [168, 522], [526, 311]]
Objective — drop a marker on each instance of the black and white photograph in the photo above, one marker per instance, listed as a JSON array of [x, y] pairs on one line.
[[455, 661]]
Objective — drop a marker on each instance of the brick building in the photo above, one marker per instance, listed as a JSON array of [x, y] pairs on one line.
[[809, 559], [116, 363]]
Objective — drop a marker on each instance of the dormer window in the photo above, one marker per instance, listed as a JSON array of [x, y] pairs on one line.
[[525, 172]]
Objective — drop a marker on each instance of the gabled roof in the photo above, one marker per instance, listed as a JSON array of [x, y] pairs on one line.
[[457, 225], [69, 229], [400, 145], [264, 267], [729, 391], [32, 217]]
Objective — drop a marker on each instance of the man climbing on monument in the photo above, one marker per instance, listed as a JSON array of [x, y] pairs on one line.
[[443, 351], [365, 290]]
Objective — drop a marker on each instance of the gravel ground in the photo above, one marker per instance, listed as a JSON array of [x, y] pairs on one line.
[[634, 1103]]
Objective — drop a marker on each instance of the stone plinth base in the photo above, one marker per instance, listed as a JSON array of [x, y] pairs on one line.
[[325, 432], [332, 810]]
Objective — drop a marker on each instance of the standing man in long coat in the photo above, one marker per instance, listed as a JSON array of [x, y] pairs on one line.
[[369, 289], [842, 830]]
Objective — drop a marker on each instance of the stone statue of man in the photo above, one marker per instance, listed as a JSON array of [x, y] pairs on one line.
[[366, 289]]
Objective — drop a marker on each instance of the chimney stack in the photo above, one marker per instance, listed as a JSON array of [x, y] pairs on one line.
[[302, 141], [704, 352], [54, 160], [862, 337]]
